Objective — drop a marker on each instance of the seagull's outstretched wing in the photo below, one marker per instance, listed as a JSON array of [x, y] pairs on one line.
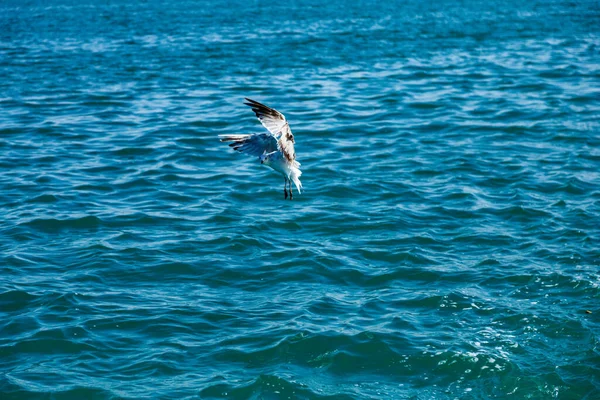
[[275, 123], [271, 119], [253, 145]]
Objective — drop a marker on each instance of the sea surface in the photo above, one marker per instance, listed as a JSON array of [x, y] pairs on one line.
[[446, 245]]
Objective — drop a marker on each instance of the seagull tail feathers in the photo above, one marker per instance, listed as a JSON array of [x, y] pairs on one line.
[[295, 175]]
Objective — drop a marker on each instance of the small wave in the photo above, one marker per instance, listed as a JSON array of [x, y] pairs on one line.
[[54, 224], [14, 300], [265, 386]]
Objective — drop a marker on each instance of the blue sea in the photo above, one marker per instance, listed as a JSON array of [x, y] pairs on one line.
[[446, 244]]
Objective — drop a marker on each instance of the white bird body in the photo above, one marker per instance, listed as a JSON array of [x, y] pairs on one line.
[[290, 171], [274, 149]]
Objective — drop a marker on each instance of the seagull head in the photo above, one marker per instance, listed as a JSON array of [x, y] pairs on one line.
[[264, 158]]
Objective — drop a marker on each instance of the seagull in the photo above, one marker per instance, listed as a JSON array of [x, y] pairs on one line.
[[274, 149]]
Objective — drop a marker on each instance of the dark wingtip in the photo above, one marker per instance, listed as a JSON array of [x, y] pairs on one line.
[[254, 103]]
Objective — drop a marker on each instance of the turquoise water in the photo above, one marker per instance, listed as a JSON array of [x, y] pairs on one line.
[[446, 245]]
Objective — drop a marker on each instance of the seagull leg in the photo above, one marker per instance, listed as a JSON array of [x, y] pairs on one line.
[[284, 190], [291, 194]]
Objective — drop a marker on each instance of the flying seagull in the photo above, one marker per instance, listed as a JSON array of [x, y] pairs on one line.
[[274, 149]]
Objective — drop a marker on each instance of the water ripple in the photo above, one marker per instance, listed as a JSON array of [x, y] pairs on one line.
[[445, 245]]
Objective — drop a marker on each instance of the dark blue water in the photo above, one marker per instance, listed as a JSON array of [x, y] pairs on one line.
[[447, 244]]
